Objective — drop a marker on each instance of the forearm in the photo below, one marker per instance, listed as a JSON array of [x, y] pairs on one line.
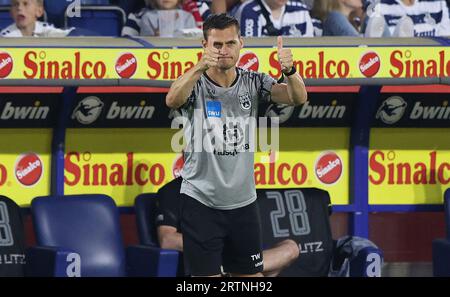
[[182, 87], [296, 89]]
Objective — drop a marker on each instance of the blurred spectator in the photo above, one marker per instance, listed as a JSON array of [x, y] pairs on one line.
[[232, 6], [25, 14], [357, 17], [166, 16], [318, 28], [130, 6], [335, 16], [274, 17], [200, 9], [407, 18], [218, 6], [308, 3]]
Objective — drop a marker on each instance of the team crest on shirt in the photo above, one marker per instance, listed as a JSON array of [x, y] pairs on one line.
[[245, 101]]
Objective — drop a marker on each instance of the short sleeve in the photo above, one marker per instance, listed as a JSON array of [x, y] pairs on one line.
[[265, 87], [190, 100]]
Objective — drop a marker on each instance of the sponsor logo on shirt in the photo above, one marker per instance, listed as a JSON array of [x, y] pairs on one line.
[[213, 109]]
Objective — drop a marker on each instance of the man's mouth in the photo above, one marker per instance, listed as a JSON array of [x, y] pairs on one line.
[[20, 17]]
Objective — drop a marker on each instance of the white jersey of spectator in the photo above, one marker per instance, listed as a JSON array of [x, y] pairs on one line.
[[295, 20], [308, 3], [42, 29], [318, 27], [430, 17], [146, 23], [204, 8]]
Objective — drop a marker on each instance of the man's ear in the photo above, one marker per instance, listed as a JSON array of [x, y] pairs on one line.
[[241, 40], [204, 43]]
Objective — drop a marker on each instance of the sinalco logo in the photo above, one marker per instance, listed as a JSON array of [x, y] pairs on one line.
[[328, 168], [88, 110], [6, 64], [28, 169], [249, 61], [126, 65], [391, 110], [281, 111], [369, 64], [178, 166]]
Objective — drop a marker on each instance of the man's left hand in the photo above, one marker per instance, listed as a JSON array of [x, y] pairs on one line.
[[284, 56]]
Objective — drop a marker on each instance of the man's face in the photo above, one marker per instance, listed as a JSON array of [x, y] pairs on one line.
[[25, 12], [229, 44]]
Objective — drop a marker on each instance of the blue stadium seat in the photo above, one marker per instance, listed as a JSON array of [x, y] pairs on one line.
[[12, 239], [5, 17], [129, 5], [145, 208], [441, 246], [80, 235], [359, 257], [104, 19], [55, 11]]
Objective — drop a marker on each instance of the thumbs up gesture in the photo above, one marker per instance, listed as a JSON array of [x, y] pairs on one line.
[[284, 56]]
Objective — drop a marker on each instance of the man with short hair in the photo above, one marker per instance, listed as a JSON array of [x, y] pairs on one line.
[[220, 221]]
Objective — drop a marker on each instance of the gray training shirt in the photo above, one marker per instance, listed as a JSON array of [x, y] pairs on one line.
[[219, 159]]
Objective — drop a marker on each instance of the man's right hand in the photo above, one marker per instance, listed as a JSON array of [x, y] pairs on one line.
[[210, 58], [182, 88]]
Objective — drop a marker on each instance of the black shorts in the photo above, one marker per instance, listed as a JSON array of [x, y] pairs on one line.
[[213, 238]]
